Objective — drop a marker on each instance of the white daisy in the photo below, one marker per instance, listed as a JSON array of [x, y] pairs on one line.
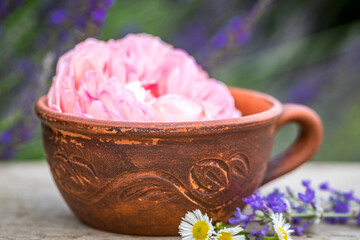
[[196, 226], [282, 230], [229, 234]]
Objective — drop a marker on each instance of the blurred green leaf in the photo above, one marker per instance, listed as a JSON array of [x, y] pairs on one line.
[[20, 28], [30, 150], [157, 17], [10, 120]]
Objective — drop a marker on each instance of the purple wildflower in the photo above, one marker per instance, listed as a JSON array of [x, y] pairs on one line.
[[296, 220], [305, 90], [356, 199], [3, 10], [64, 35], [275, 201], [308, 196], [306, 183], [260, 232], [256, 201], [358, 219], [220, 40], [26, 134], [92, 4], [339, 206], [276, 194], [193, 36], [98, 15], [278, 205], [99, 9], [8, 7], [324, 186], [58, 17], [6, 137], [298, 230], [235, 24], [236, 27], [349, 196], [108, 3], [342, 207], [240, 218], [298, 209], [243, 37], [80, 21]]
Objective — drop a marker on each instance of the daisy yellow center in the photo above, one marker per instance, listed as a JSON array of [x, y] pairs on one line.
[[225, 236], [283, 233], [200, 230]]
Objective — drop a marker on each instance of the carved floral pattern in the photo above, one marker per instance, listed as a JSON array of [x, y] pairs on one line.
[[75, 174], [208, 178]]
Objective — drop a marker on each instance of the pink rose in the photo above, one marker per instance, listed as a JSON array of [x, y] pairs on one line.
[[137, 78]]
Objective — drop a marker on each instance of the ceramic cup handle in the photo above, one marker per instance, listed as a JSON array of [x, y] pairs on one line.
[[306, 145]]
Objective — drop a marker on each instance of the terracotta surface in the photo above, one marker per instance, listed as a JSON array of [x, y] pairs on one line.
[[141, 178]]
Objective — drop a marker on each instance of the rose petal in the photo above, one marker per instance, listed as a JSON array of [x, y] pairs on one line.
[[137, 78]]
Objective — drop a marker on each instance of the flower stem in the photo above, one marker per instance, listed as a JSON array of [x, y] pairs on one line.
[[325, 215], [266, 238]]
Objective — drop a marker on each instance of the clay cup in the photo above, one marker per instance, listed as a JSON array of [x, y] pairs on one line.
[[141, 178]]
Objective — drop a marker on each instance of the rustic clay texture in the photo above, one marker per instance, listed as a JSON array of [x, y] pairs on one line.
[[32, 209], [127, 177]]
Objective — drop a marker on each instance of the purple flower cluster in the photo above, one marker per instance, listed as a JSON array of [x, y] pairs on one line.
[[298, 230], [78, 18], [256, 201], [60, 25], [231, 36], [211, 47], [6, 8], [240, 218], [6, 137], [340, 202], [301, 209], [17, 129], [234, 33], [274, 201], [309, 196], [261, 232]]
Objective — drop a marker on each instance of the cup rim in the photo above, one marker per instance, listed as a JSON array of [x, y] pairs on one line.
[[85, 125]]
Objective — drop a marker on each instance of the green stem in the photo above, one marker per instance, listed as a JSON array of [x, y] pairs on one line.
[[266, 238], [325, 215]]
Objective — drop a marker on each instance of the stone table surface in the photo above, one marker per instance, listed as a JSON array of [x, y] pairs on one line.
[[32, 208]]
